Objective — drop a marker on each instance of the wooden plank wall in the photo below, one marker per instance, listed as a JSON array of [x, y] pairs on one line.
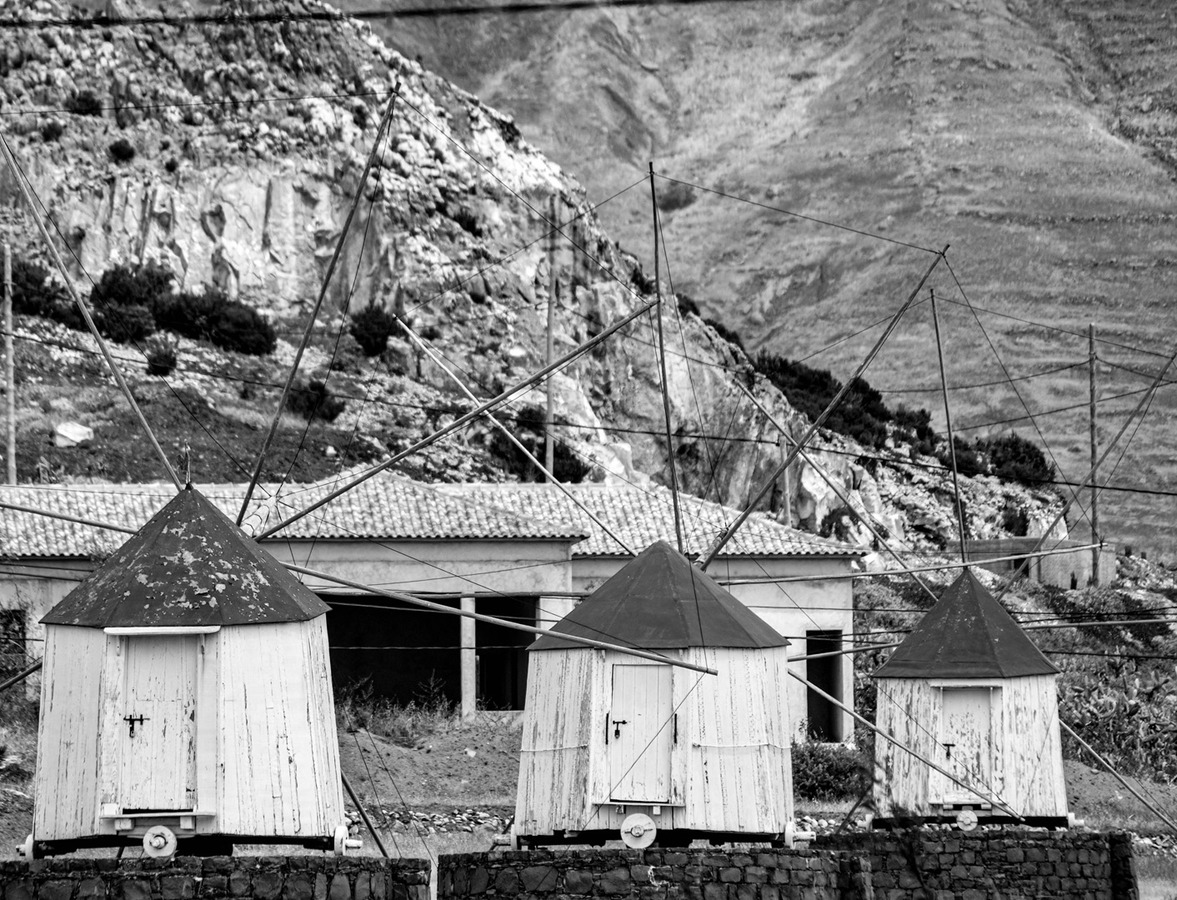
[[909, 710], [277, 750], [66, 781], [1033, 761]]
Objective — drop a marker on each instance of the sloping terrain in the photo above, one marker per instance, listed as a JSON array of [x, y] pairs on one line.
[[1034, 136]]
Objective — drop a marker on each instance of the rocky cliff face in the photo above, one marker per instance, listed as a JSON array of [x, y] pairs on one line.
[[248, 143]]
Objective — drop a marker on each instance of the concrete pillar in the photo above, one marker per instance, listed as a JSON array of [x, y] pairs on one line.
[[469, 661], [550, 610]]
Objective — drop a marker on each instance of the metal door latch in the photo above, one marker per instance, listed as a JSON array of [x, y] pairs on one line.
[[617, 723], [131, 720], [948, 750]]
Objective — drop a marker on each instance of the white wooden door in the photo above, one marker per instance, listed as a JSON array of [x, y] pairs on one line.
[[640, 734], [967, 743], [157, 724]]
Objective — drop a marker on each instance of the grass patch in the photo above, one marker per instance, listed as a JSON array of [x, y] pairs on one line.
[[1156, 876], [18, 745], [408, 725]]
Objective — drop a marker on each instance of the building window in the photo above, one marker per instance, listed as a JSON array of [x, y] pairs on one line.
[[13, 652], [825, 719]]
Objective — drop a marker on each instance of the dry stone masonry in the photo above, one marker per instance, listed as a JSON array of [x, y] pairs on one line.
[[306, 877]]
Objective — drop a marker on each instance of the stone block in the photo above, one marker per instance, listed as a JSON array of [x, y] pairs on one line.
[[214, 886], [741, 859], [713, 890], [507, 882], [239, 884], [615, 881], [578, 881], [363, 886], [267, 885], [730, 875], [380, 884], [177, 887], [300, 886], [675, 858], [973, 894], [909, 880], [136, 889], [479, 880], [222, 865], [770, 892], [747, 892], [56, 889], [640, 874], [755, 875], [541, 878], [1015, 855], [91, 889], [19, 890]]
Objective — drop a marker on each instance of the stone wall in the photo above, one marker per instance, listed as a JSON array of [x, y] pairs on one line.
[[654, 874], [955, 865], [211, 878]]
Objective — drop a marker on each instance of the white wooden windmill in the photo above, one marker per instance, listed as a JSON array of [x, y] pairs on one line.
[[616, 745], [968, 689], [187, 697]]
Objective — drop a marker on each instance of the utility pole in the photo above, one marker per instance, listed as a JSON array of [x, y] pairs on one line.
[[964, 556], [1094, 456], [9, 370], [553, 298]]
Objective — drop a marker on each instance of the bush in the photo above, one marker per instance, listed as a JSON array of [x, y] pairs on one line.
[[33, 294], [212, 316], [51, 131], [161, 355], [126, 324], [121, 151], [313, 398], [829, 771], [914, 426], [687, 305], [372, 327], [1016, 459], [969, 461], [128, 285], [728, 334], [861, 415], [567, 467], [84, 103]]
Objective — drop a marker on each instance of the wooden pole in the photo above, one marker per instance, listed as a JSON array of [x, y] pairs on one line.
[[820, 420], [351, 792], [306, 337], [20, 676], [493, 620], [27, 193], [550, 346], [464, 419], [1095, 551], [1120, 778], [991, 798], [662, 368], [964, 556], [9, 368]]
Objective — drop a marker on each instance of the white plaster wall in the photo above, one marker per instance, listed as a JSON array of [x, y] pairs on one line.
[[791, 608]]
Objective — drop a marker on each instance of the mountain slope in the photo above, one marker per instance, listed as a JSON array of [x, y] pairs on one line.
[[1034, 136]]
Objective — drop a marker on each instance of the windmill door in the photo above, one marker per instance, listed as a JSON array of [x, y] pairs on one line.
[[967, 743], [639, 734], [157, 724]]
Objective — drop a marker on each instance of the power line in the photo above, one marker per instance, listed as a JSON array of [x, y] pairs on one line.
[[277, 18]]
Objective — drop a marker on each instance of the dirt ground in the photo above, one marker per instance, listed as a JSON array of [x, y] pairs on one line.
[[456, 788]]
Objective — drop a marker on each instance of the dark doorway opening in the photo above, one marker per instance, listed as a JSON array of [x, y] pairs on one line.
[[502, 652], [401, 652], [825, 720]]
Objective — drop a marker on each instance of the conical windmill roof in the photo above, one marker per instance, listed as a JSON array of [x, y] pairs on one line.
[[967, 634], [659, 601], [189, 565]]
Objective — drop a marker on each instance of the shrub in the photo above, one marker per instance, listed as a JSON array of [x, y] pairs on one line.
[[567, 467], [128, 285], [828, 771], [313, 398], [126, 324], [372, 327], [1016, 459], [861, 415], [728, 334], [33, 294], [687, 305], [121, 151], [914, 426], [84, 103], [969, 461], [675, 195], [161, 355], [236, 326], [212, 316], [51, 131]]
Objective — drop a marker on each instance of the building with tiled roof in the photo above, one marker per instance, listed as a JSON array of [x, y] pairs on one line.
[[519, 550], [796, 581]]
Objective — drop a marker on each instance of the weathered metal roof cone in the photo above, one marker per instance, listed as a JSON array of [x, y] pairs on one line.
[[659, 601], [189, 565], [967, 634]]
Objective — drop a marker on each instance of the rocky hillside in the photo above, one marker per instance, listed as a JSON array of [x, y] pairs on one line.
[[229, 154], [1034, 136]]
